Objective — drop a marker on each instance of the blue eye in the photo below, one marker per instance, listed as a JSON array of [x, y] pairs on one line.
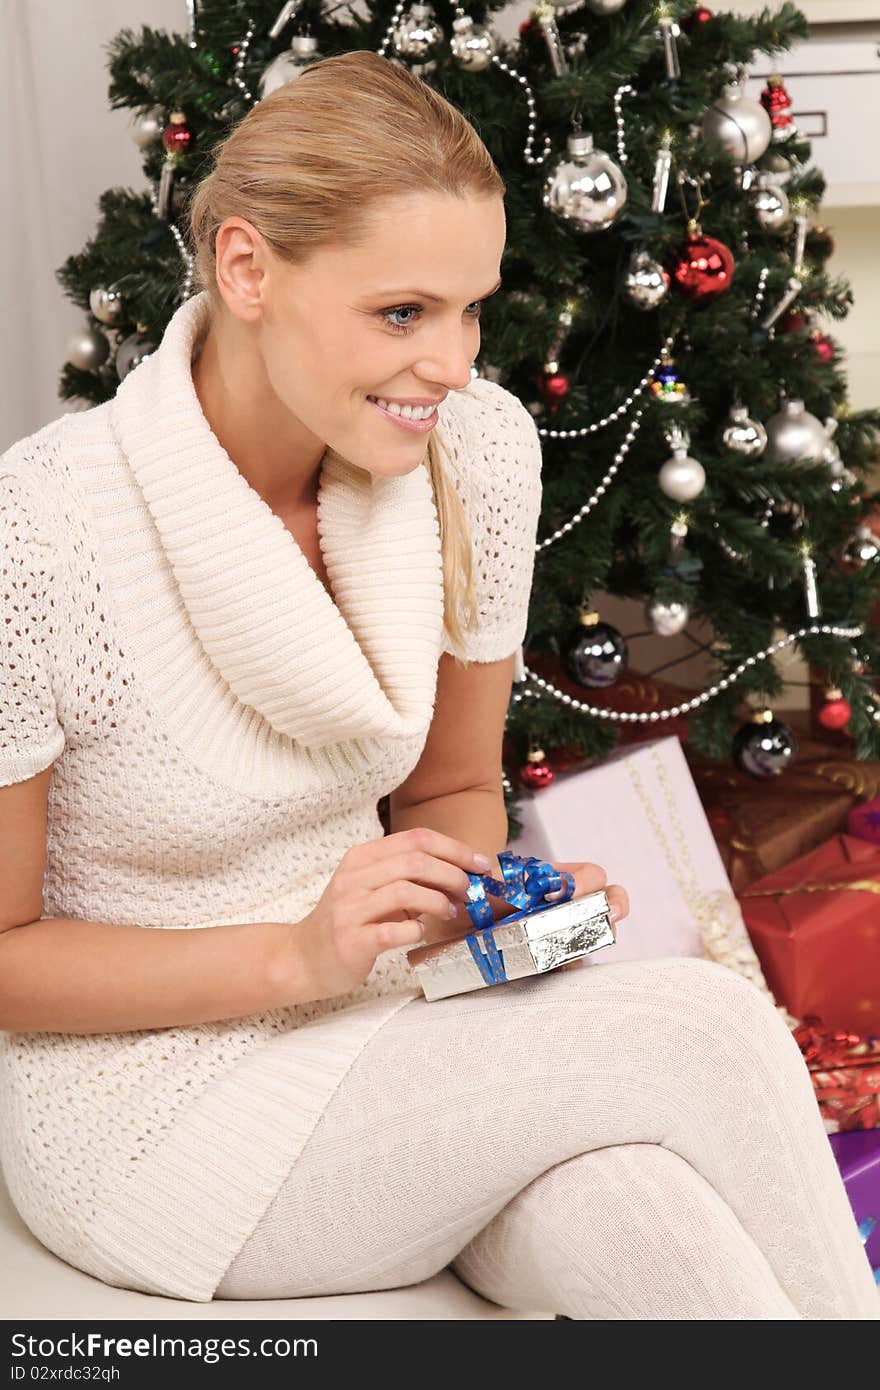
[[417, 309]]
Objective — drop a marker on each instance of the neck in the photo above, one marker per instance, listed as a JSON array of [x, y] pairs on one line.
[[275, 454]]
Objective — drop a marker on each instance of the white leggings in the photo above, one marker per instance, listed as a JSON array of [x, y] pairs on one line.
[[635, 1140]]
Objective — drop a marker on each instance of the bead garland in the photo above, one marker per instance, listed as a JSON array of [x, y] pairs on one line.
[[601, 488], [673, 711], [621, 409]]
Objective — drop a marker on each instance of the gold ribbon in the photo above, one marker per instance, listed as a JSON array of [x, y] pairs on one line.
[[866, 885]]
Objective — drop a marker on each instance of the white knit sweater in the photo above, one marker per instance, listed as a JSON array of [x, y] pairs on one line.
[[221, 732]]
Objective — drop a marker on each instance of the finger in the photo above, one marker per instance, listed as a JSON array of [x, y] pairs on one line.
[[588, 878], [387, 902], [618, 898], [420, 837], [418, 867]]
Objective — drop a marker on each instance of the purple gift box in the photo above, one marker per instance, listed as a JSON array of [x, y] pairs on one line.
[[864, 821], [858, 1157]]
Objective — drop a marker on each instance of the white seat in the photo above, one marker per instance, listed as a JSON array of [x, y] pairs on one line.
[[35, 1284]]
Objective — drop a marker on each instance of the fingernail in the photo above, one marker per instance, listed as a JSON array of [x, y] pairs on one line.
[[482, 861], [615, 912], [453, 910]]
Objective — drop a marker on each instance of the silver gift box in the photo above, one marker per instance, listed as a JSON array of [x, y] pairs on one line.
[[530, 946]]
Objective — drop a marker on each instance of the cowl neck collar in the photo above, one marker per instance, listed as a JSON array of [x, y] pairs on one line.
[[318, 669]]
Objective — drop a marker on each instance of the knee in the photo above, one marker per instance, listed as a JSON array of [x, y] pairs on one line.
[[725, 1000]]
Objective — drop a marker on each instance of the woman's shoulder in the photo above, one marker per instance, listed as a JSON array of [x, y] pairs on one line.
[[38, 473], [487, 415]]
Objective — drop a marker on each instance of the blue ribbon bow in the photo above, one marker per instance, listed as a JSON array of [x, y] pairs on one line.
[[526, 881]]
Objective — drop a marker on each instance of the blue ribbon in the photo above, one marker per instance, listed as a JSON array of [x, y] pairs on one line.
[[526, 881]]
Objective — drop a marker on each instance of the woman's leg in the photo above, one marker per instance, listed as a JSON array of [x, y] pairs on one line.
[[456, 1106], [627, 1232]]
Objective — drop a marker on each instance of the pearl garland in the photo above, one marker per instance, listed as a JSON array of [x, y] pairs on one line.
[[673, 711], [240, 62], [600, 490], [760, 292], [620, 410], [185, 254], [625, 91]]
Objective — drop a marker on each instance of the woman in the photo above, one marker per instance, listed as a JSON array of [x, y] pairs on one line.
[[237, 593]]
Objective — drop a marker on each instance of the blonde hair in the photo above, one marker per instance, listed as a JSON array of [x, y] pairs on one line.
[[307, 165]]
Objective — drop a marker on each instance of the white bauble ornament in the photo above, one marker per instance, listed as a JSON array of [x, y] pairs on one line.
[[795, 436], [646, 282], [288, 66], [131, 352], [87, 349], [738, 124], [472, 45], [667, 619], [106, 305], [681, 478], [604, 6], [744, 435], [588, 189], [146, 128]]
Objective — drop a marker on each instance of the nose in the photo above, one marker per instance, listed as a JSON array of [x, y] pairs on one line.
[[450, 361]]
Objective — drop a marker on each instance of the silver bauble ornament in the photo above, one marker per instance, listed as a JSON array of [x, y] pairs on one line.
[[472, 45], [795, 436], [744, 435], [587, 189], [146, 128], [417, 32], [646, 282], [682, 478], [106, 305], [131, 352], [667, 619], [87, 349], [604, 6], [770, 205], [861, 549], [288, 65], [738, 124]]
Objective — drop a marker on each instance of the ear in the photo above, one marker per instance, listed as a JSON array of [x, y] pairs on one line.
[[241, 263]]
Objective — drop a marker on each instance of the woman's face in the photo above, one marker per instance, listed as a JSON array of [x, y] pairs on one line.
[[396, 319]]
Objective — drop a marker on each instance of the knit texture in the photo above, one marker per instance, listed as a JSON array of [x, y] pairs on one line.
[[221, 731]]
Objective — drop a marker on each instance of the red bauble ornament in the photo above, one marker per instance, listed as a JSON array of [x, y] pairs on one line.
[[837, 712], [822, 345], [777, 103], [698, 16], [553, 386], [791, 321], [177, 136], [537, 772], [703, 269], [529, 26]]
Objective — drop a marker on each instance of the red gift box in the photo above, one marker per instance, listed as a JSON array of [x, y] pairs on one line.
[[845, 1072], [815, 926]]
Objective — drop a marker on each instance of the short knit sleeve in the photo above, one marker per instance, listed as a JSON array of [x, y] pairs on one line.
[[31, 737], [495, 452]]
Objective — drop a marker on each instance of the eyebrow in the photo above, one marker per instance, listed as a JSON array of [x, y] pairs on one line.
[[423, 294]]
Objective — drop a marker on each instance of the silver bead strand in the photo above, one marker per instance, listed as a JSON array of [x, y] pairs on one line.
[[620, 410], [653, 716], [760, 291], [185, 254], [240, 62], [594, 498], [625, 91]]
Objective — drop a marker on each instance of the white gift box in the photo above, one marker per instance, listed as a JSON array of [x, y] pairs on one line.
[[638, 815]]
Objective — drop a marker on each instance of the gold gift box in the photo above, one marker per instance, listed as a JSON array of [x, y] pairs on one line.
[[531, 945]]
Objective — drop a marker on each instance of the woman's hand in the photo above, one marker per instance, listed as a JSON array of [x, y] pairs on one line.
[[591, 878]]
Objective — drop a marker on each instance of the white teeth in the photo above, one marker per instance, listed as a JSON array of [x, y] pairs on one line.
[[407, 412]]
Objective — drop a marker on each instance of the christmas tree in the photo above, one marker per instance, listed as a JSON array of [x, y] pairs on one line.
[[664, 318]]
